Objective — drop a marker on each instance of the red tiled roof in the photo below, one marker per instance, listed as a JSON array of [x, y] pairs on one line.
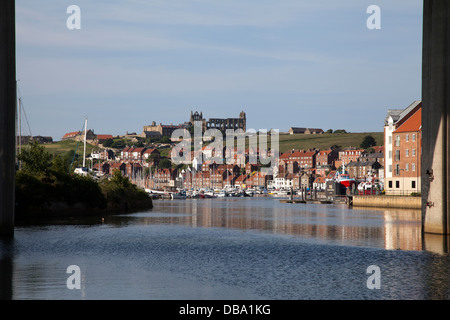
[[413, 123], [331, 174], [71, 134], [104, 136], [150, 150], [116, 165], [309, 153], [319, 180]]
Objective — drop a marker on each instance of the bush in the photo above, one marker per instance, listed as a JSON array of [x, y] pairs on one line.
[[119, 190], [44, 181], [108, 143]]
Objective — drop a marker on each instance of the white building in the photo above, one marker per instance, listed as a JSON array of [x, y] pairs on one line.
[[394, 118], [282, 183]]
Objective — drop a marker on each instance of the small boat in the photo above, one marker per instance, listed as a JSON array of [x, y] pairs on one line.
[[177, 195], [248, 193]]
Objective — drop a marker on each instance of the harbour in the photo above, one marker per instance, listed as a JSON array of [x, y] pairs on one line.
[[228, 248]]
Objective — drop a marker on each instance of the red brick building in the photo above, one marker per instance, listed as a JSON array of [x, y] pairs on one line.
[[406, 156], [294, 161], [348, 155], [325, 161], [258, 180]]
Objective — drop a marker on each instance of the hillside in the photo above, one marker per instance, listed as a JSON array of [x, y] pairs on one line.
[[326, 140], [62, 147], [287, 142]]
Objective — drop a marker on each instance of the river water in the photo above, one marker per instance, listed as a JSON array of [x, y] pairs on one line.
[[229, 248]]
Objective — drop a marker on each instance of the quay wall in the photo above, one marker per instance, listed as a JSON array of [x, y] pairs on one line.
[[405, 202]]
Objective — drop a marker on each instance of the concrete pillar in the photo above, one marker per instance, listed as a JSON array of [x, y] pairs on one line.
[[435, 116], [7, 116]]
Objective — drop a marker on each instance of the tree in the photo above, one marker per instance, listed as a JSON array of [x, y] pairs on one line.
[[165, 139], [35, 160], [368, 142], [329, 131], [118, 144], [108, 143], [164, 164]]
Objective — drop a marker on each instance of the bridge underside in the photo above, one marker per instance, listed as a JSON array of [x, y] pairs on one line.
[[435, 117], [7, 116]]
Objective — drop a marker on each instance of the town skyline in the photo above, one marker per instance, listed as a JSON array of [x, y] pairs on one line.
[[287, 64]]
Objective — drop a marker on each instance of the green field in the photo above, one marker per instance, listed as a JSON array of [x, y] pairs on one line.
[[286, 142], [62, 147], [326, 140]]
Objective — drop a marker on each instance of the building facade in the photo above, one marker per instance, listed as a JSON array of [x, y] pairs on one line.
[[406, 161], [395, 154]]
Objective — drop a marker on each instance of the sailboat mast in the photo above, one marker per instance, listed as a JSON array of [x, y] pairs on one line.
[[20, 125], [85, 134]]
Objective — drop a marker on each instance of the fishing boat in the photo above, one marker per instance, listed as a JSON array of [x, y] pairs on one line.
[[344, 178]]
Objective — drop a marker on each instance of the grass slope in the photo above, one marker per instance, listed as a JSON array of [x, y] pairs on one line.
[[61, 147], [287, 142], [325, 141]]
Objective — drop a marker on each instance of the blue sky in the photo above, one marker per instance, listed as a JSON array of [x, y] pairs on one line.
[[285, 63]]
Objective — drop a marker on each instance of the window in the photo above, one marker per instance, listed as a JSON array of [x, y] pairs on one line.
[[397, 155], [390, 154], [407, 137], [390, 168], [407, 152], [397, 169], [397, 184], [390, 139], [413, 152], [413, 184], [390, 184], [414, 137], [407, 167], [397, 141], [413, 166]]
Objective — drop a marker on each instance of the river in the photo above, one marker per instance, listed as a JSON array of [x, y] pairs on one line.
[[229, 248]]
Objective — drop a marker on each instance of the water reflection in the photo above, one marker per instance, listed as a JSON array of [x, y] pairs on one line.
[[391, 229], [228, 249]]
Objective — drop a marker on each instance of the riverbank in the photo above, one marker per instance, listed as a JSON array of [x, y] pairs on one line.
[[401, 202], [58, 209], [46, 187]]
